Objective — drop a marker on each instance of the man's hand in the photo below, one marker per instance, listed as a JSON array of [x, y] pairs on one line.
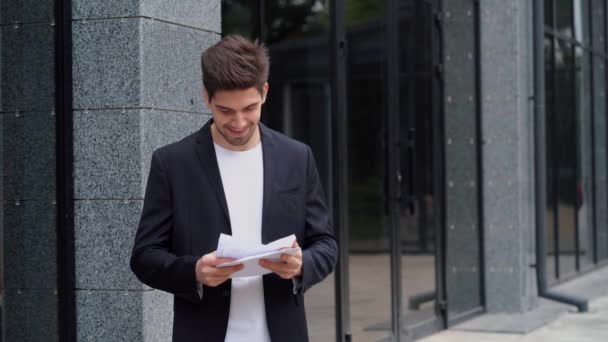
[[209, 274], [289, 267]]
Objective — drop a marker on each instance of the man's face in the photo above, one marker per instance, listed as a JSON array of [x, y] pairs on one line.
[[236, 114]]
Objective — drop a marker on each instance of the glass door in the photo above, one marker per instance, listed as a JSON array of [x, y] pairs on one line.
[[369, 258], [393, 121], [386, 287], [419, 163]]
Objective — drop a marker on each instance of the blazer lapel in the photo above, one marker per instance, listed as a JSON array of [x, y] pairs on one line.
[[206, 154], [268, 152]]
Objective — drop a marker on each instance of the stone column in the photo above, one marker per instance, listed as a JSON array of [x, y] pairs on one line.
[[137, 86], [507, 157]]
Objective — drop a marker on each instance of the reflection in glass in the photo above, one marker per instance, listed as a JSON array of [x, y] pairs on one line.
[[370, 302], [238, 17], [550, 154], [418, 220], [584, 160], [565, 141], [601, 167], [600, 127], [581, 20], [564, 17], [298, 103], [549, 13], [28, 252]]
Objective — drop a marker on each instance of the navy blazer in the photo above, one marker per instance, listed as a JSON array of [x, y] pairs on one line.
[[185, 211]]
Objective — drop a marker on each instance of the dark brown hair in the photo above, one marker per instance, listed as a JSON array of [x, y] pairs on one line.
[[235, 63]]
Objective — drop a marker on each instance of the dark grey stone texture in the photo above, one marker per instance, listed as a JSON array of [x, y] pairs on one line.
[[113, 148], [30, 245], [205, 15], [104, 232], [462, 260], [28, 157], [129, 63], [107, 154], [160, 128], [137, 87], [170, 66], [106, 63], [129, 316], [26, 11], [27, 67], [507, 169], [105, 9], [30, 315]]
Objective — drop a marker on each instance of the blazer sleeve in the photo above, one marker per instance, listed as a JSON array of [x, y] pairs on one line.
[[320, 248], [151, 258]]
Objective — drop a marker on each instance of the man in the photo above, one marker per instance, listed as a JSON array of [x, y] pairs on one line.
[[238, 177]]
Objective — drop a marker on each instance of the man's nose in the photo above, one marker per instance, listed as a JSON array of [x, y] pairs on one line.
[[239, 121]]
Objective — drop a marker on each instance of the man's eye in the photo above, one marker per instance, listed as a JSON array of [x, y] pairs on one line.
[[224, 110]]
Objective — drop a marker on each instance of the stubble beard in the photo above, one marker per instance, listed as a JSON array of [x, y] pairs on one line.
[[237, 142]]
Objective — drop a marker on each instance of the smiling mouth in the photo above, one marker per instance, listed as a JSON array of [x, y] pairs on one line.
[[237, 132]]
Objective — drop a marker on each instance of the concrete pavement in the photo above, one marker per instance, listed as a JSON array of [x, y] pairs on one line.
[[569, 326]]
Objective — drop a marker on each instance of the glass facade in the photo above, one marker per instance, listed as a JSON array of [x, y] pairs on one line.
[[428, 149], [575, 79], [29, 277], [300, 105]]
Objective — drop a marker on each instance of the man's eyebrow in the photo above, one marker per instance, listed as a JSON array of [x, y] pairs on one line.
[[223, 107], [247, 106]]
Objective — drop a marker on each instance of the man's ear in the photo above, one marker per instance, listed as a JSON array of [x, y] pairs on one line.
[[206, 97], [264, 92]]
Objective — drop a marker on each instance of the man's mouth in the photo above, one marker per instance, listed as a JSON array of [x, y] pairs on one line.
[[237, 132]]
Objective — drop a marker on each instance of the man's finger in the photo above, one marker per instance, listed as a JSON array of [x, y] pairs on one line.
[[228, 270], [292, 260], [213, 260], [276, 267]]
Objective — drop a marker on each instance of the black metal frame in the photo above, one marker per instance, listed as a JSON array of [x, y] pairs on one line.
[[577, 261], [439, 165], [64, 174], [479, 145], [339, 53], [394, 156]]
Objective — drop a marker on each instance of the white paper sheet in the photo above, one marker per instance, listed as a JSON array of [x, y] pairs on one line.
[[248, 255]]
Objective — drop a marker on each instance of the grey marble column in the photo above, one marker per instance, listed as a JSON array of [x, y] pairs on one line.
[[137, 86], [508, 166]]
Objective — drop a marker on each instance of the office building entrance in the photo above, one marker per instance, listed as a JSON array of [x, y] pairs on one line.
[[360, 82]]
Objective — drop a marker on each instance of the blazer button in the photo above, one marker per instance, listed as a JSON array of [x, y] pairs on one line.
[[225, 293]]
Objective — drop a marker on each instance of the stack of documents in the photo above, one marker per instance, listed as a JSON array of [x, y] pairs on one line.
[[249, 255]]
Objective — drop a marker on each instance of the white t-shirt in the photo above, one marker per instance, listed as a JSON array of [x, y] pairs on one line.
[[242, 175]]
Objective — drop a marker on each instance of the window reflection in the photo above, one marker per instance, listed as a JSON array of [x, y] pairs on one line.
[[584, 159], [298, 103], [564, 18], [570, 229]]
